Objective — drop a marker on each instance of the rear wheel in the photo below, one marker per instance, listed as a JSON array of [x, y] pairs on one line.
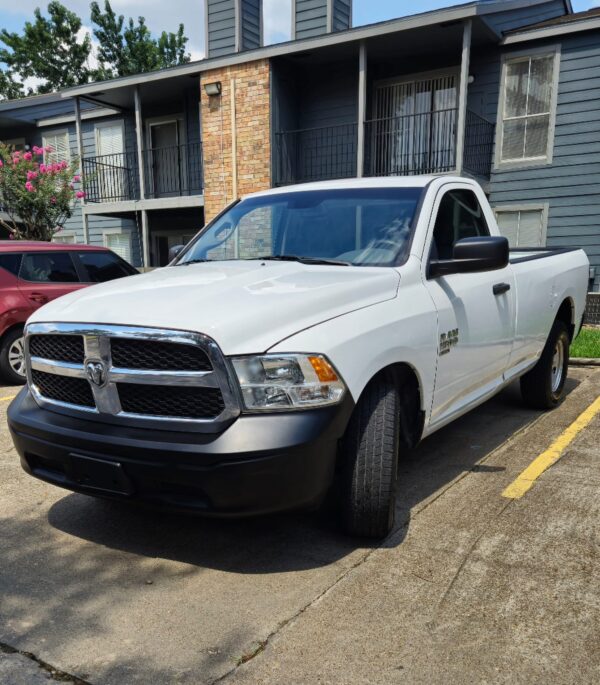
[[370, 461], [543, 387], [12, 358]]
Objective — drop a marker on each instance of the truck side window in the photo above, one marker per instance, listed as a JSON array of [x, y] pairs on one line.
[[460, 216]]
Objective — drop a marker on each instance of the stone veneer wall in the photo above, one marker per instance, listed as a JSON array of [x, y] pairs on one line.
[[253, 118]]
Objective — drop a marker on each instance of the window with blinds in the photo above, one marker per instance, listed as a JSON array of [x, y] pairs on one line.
[[527, 109], [59, 142], [68, 238], [523, 228], [119, 243], [109, 139]]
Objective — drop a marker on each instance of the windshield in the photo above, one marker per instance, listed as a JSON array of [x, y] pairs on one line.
[[368, 226]]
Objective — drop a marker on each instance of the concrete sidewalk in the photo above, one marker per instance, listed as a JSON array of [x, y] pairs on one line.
[[471, 587]]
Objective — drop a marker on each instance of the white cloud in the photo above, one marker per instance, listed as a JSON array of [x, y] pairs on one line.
[[277, 20]]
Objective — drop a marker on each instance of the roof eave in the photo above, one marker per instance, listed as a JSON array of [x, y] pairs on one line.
[[449, 14]]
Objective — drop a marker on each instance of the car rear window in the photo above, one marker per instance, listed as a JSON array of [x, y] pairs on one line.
[[104, 266], [11, 261], [49, 267]]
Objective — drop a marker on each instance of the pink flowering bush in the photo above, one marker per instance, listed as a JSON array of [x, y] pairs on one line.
[[37, 197]]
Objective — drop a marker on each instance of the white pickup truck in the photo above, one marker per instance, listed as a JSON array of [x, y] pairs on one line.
[[305, 336]]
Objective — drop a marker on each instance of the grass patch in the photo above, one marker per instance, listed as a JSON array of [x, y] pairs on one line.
[[587, 343]]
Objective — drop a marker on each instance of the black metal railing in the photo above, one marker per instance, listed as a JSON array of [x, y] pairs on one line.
[[479, 145], [411, 144], [111, 178], [169, 172], [404, 145], [315, 154], [173, 171]]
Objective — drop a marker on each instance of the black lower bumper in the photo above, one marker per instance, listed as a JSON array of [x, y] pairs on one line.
[[260, 464]]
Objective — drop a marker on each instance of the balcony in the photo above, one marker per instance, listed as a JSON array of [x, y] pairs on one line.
[[168, 172], [403, 145]]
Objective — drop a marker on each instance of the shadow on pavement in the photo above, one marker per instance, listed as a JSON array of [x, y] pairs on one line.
[[282, 543]]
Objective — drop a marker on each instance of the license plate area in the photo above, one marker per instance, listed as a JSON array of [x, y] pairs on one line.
[[100, 474]]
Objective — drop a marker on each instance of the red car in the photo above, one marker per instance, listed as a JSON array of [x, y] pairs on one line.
[[33, 273]]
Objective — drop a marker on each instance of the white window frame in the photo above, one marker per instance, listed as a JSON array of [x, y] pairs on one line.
[[105, 124], [56, 132], [118, 231], [66, 234], [543, 207], [521, 56]]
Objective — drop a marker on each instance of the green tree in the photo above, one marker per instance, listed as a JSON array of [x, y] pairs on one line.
[[48, 49], [9, 88], [129, 48], [37, 198]]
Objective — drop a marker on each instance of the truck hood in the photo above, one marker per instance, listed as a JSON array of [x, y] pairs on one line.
[[245, 306]]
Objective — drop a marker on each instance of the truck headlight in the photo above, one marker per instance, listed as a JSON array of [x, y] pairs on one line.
[[287, 381]]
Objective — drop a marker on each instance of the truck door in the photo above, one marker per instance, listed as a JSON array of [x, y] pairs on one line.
[[476, 311]]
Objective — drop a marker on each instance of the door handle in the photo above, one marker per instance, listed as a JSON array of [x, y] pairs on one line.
[[501, 288], [38, 297]]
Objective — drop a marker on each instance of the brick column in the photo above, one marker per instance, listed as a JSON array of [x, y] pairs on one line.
[[253, 134]]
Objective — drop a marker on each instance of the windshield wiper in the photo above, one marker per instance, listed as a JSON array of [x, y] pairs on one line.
[[304, 260], [193, 261]]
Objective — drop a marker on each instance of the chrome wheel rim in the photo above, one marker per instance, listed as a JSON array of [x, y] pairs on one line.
[[16, 357], [558, 360]]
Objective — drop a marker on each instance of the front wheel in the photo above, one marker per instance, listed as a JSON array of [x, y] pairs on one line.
[[370, 462], [12, 358], [544, 386]]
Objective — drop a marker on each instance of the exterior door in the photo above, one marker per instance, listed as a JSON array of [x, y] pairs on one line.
[[476, 327], [415, 126], [166, 162]]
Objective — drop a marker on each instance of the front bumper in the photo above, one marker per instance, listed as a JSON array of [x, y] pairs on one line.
[[259, 464]]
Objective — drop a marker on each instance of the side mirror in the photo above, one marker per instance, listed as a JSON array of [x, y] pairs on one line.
[[174, 251], [484, 253]]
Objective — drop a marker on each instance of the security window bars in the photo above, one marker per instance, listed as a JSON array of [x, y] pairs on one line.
[[527, 108]]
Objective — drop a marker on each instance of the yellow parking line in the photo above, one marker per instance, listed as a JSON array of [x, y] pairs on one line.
[[527, 478], [7, 399]]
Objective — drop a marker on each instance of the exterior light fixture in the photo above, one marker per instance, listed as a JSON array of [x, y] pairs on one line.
[[212, 89]]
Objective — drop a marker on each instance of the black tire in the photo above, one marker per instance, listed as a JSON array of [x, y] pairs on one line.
[[543, 387], [369, 456], [7, 372]]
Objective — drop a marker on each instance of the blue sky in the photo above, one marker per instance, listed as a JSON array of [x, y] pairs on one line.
[[166, 15]]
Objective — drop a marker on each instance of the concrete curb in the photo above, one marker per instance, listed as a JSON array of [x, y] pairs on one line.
[[583, 361]]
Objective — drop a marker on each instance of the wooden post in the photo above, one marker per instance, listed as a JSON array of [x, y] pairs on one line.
[[139, 134], [84, 216], [462, 99], [362, 109]]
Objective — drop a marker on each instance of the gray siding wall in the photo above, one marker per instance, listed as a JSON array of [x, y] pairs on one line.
[[220, 27], [98, 225], [250, 11], [222, 30], [330, 100], [342, 14], [310, 18], [512, 19], [571, 184]]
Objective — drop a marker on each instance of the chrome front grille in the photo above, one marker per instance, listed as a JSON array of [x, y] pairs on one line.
[[130, 375], [60, 348], [150, 354], [63, 388]]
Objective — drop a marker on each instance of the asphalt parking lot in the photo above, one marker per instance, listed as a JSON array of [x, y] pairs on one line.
[[472, 586]]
